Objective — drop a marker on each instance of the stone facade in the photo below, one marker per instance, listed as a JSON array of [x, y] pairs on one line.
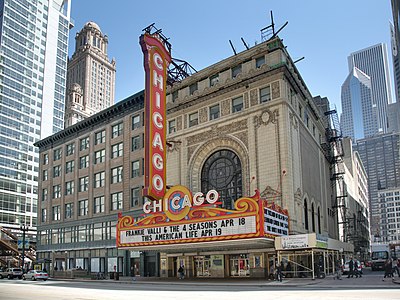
[[277, 140]]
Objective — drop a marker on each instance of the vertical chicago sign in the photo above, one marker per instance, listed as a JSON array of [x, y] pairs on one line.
[[156, 61]]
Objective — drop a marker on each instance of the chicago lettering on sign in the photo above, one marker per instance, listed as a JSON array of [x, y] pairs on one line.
[[156, 61]]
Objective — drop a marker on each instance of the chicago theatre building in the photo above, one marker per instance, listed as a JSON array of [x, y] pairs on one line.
[[248, 178]]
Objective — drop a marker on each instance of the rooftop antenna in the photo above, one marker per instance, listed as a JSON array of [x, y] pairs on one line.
[[244, 43], [299, 59], [233, 48], [269, 32]]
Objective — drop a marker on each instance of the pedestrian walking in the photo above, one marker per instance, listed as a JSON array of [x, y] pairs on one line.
[[351, 268], [356, 272], [395, 268], [388, 270]]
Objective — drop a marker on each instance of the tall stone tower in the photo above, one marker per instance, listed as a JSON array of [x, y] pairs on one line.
[[91, 76]]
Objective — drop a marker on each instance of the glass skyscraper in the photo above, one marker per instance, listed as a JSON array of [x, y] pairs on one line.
[[33, 62], [358, 117], [373, 61], [381, 158]]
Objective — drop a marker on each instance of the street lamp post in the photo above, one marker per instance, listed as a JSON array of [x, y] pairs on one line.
[[24, 229]]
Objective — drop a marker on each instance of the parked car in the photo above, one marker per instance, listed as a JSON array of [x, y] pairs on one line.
[[346, 268], [11, 273], [34, 274]]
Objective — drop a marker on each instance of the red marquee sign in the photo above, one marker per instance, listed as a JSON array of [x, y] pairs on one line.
[[156, 61]]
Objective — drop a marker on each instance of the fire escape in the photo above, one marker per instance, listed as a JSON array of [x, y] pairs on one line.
[[333, 150]]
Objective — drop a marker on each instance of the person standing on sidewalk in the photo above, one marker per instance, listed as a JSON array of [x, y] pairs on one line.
[[279, 271], [181, 272]]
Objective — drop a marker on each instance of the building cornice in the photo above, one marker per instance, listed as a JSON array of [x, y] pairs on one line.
[[126, 106]]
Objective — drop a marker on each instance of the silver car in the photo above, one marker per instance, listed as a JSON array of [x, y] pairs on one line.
[[34, 274]]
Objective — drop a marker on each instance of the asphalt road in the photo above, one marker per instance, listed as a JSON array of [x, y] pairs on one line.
[[370, 286]]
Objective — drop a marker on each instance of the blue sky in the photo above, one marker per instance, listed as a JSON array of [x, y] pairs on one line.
[[324, 32]]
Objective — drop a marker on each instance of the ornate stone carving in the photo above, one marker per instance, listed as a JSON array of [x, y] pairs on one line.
[[298, 193], [203, 115], [174, 145], [216, 131], [266, 117], [243, 136], [225, 107], [246, 100], [253, 97], [269, 192], [276, 91], [190, 151], [179, 123], [293, 120]]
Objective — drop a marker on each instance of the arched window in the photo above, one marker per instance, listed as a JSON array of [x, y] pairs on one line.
[[222, 172], [305, 214], [319, 220], [313, 217]]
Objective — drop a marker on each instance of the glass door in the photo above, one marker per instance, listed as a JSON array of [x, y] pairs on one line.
[[202, 266], [239, 265]]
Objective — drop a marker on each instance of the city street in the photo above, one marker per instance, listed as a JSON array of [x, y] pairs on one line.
[[370, 286]]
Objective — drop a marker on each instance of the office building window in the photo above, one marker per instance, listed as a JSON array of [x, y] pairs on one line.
[[236, 71], [260, 61], [84, 143], [45, 194], [69, 166], [116, 175], [136, 197], [56, 213], [172, 126], [100, 137], [44, 215], [84, 184], [56, 171], [100, 156], [135, 122], [135, 169], [99, 179], [56, 191], [117, 150], [237, 104], [193, 87], [70, 149], [45, 175], [83, 207], [69, 187], [45, 158], [84, 162], [117, 130], [214, 112], [214, 79], [265, 94], [116, 201], [69, 210], [193, 119], [135, 143], [57, 154], [99, 204]]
